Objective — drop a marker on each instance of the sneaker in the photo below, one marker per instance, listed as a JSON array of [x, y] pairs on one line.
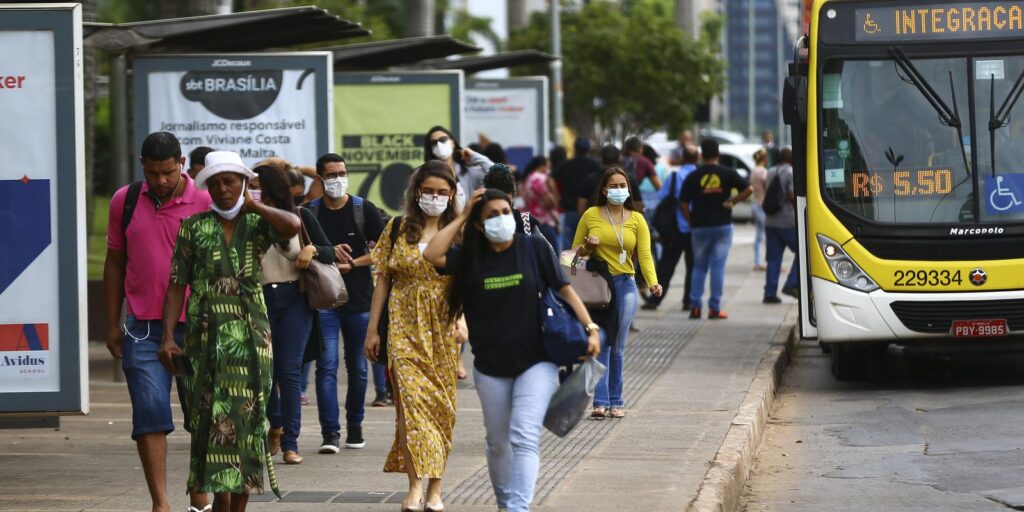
[[792, 292], [695, 314], [380, 399], [717, 314], [772, 300], [354, 439], [331, 444]]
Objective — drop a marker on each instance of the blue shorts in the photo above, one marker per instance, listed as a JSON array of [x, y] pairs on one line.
[[149, 383]]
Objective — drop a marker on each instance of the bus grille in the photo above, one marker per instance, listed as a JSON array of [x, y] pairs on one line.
[[937, 317]]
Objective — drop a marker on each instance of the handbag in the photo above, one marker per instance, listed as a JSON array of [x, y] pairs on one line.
[[564, 337], [322, 283], [592, 289], [572, 399]]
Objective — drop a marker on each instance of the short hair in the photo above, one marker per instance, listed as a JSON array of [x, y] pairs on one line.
[[786, 154], [500, 177], [709, 148], [633, 145], [496, 153], [610, 155], [650, 153], [160, 146], [329, 158], [581, 146], [690, 155], [198, 155]]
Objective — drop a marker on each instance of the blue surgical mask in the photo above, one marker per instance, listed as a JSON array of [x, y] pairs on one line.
[[617, 196], [500, 229]]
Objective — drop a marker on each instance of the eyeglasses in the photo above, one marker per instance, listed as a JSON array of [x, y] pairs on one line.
[[442, 140]]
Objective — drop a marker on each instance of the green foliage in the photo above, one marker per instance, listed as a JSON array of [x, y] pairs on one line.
[[466, 24], [628, 70], [385, 18]]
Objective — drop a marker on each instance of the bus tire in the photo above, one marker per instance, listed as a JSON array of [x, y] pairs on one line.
[[850, 361]]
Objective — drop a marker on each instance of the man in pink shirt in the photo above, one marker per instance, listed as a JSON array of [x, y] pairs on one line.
[[140, 242]]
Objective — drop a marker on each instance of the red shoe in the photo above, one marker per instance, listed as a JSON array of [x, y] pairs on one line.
[[695, 314], [717, 315]]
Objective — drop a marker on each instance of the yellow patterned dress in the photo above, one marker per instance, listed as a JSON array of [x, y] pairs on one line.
[[422, 355]]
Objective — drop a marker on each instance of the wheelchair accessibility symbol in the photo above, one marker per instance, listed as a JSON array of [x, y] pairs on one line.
[[1007, 194]]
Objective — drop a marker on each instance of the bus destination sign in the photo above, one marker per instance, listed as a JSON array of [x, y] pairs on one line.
[[922, 22]]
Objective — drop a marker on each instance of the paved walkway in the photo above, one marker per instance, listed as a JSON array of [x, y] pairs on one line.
[[684, 382]]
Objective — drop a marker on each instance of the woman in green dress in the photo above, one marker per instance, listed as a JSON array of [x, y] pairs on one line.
[[228, 361]]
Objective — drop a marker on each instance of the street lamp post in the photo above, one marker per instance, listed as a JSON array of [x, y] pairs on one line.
[[556, 73]]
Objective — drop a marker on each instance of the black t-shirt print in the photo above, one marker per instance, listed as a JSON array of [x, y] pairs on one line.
[[340, 226], [706, 189], [503, 315]]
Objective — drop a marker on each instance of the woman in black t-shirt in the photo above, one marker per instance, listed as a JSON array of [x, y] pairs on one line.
[[493, 284]]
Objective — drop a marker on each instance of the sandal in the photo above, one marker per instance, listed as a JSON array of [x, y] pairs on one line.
[[598, 413], [616, 413]]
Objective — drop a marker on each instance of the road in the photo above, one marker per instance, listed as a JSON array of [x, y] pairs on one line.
[[936, 432]]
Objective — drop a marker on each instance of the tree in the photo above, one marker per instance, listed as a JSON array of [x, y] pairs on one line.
[[627, 69]]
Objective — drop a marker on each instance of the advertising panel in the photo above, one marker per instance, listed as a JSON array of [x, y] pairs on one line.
[[43, 351], [381, 121], [258, 105], [510, 112]]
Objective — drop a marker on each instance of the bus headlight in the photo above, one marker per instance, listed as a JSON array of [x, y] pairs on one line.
[[847, 272]]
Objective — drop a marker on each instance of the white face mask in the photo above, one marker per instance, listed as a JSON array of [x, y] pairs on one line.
[[433, 206], [443, 150], [336, 187], [500, 229], [232, 212]]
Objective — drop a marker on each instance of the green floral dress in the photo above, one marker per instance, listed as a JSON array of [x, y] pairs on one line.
[[227, 341]]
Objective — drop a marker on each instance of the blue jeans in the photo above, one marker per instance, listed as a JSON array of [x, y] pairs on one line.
[[710, 251], [380, 377], [778, 240], [757, 212], [352, 327], [613, 349], [514, 411], [149, 383], [291, 321], [569, 222]]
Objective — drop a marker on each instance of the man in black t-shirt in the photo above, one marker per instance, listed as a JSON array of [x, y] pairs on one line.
[[707, 202], [352, 224], [571, 176]]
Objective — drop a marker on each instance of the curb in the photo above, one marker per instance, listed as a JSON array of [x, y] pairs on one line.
[[726, 478]]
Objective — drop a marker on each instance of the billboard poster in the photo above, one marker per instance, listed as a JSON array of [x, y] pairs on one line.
[[510, 112], [258, 105], [381, 121], [43, 351]]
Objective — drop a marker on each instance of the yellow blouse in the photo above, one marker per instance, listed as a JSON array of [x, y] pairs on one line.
[[635, 236]]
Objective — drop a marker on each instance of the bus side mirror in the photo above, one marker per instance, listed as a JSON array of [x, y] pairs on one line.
[[794, 100]]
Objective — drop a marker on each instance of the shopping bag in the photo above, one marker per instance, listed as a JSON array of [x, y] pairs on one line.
[[573, 398]]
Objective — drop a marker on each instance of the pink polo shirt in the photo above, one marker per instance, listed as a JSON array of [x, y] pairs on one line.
[[150, 244]]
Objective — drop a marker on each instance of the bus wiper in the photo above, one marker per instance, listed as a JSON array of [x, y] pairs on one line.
[[1001, 118], [948, 116]]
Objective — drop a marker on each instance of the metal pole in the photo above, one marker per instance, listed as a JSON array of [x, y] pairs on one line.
[[556, 73], [119, 119], [750, 70]]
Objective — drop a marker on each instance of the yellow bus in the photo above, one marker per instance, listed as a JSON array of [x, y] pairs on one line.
[[909, 141]]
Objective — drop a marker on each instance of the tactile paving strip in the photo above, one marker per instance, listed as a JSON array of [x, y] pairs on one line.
[[648, 355]]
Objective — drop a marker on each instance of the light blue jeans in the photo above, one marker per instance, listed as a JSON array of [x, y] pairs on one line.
[[710, 252], [757, 212], [514, 411], [613, 350]]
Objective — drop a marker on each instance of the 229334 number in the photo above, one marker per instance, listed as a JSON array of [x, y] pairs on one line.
[[926, 278]]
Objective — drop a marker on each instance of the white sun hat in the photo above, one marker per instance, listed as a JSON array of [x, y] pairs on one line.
[[222, 161]]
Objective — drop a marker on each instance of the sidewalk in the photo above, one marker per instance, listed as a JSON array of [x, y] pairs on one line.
[[685, 381]]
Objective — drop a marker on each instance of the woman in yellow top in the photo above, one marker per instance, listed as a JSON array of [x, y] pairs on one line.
[[611, 231]]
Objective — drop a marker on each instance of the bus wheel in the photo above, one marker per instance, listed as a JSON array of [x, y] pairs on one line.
[[850, 361]]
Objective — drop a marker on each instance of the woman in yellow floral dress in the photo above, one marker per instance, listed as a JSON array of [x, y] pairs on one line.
[[422, 349]]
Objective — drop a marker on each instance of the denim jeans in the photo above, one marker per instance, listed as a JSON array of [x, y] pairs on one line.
[[674, 247], [778, 240], [757, 212], [569, 222], [613, 345], [380, 377], [149, 383], [291, 321], [710, 251], [514, 411], [352, 327]]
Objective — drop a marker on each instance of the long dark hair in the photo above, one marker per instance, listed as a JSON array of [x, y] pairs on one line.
[[474, 245], [600, 199], [275, 185], [428, 152], [415, 219]]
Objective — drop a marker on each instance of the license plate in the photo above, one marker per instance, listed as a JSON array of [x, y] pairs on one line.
[[979, 328]]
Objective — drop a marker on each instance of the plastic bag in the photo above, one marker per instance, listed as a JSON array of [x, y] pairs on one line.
[[573, 398]]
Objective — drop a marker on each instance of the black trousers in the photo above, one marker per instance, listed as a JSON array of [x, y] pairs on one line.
[[672, 248]]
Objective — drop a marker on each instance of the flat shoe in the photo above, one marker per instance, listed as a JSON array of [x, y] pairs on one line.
[[437, 507], [417, 508], [616, 413], [291, 457], [598, 413]]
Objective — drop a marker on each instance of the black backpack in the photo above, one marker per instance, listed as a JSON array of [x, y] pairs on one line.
[[773, 200], [665, 220]]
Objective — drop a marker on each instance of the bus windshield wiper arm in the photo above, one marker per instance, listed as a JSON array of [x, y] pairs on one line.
[[948, 116], [999, 119]]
